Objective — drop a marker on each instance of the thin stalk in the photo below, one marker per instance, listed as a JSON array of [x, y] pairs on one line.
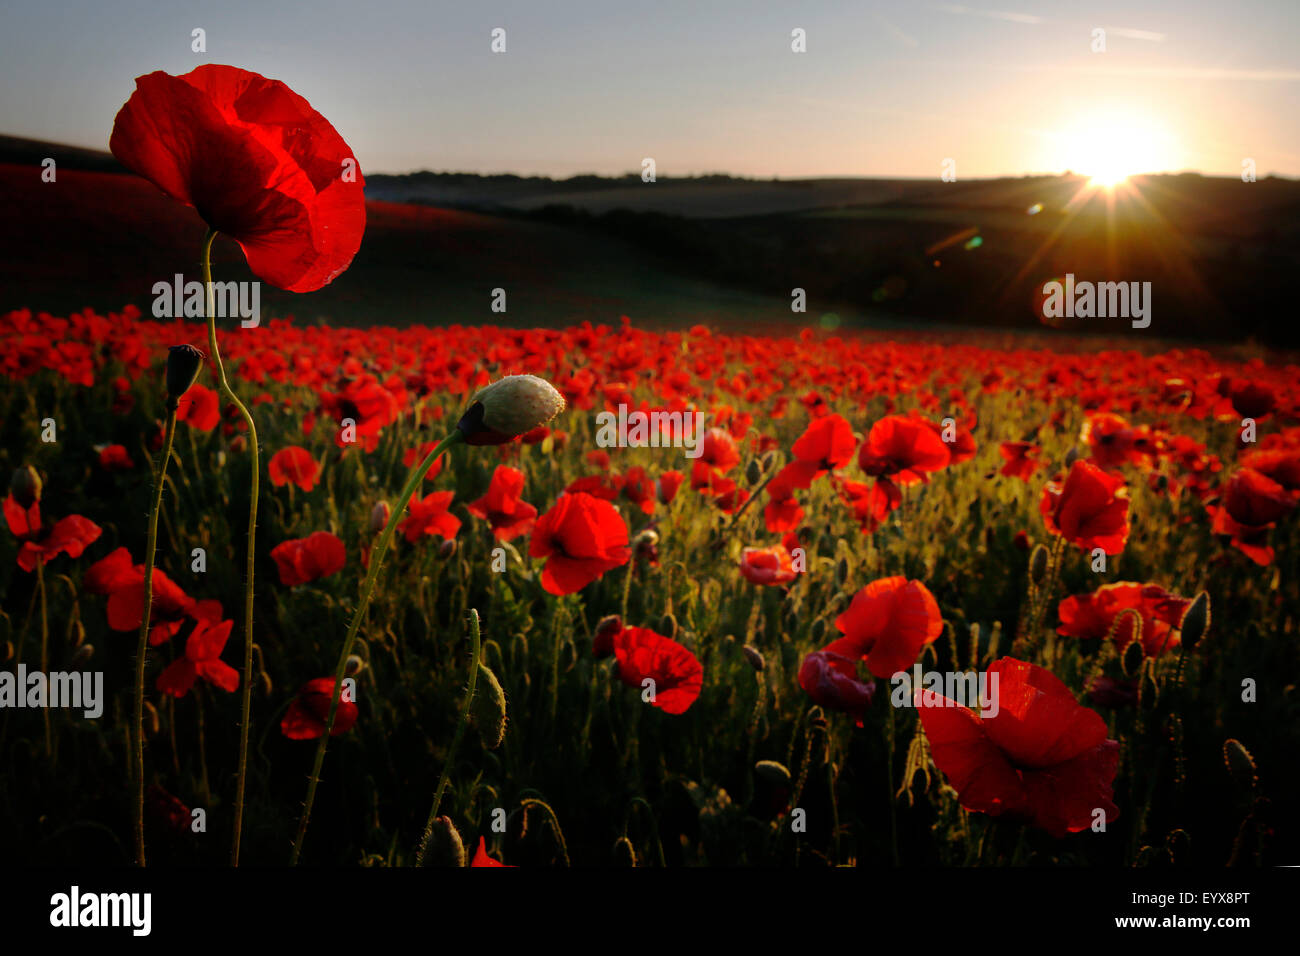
[[247, 701], [142, 647], [455, 740], [367, 591]]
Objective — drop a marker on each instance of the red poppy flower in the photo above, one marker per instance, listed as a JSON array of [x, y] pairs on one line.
[[782, 512], [70, 535], [481, 857], [961, 447], [302, 560], [1089, 510], [718, 455], [831, 681], [904, 448], [677, 674], [294, 464], [639, 489], [115, 458], [123, 581], [888, 622], [199, 408], [202, 659], [502, 508], [1043, 758], [1018, 457], [429, 516], [414, 456], [256, 162], [826, 445], [871, 504], [581, 537], [1248, 508], [768, 566], [1091, 616], [667, 484], [306, 717]]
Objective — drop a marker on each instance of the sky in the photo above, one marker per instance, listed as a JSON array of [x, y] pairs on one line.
[[1002, 87]]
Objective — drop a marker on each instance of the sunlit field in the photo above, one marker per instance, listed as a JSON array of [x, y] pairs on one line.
[[695, 644]]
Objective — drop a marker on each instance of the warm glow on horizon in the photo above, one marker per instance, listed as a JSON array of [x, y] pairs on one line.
[[1110, 145]]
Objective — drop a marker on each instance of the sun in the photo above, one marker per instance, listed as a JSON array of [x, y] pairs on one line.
[[1110, 145]]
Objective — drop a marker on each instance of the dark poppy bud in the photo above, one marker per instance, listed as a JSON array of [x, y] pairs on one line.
[[1133, 654], [1196, 621], [1038, 565], [1071, 457], [841, 572], [753, 471], [1240, 763], [602, 644], [354, 666], [26, 486], [184, 362], [754, 656], [443, 845], [84, 653], [379, 516], [447, 549], [773, 772], [488, 708]]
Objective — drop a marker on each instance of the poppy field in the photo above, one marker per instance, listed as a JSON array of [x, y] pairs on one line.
[[688, 654], [282, 593]]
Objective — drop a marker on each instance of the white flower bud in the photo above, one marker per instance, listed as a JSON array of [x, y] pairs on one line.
[[509, 407]]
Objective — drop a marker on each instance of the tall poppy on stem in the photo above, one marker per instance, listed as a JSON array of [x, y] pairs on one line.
[[499, 413], [263, 167]]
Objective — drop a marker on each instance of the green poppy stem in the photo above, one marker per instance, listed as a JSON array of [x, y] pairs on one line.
[[246, 673], [455, 740], [413, 482], [142, 648]]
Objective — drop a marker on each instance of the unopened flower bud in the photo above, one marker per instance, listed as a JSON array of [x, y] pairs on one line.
[[447, 549], [26, 486], [1196, 621], [508, 408], [84, 653], [184, 362], [668, 625], [379, 516], [488, 708], [1240, 763], [753, 471], [754, 656], [1038, 565], [354, 666], [444, 846], [602, 644]]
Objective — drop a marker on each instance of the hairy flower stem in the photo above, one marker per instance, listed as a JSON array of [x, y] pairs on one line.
[[142, 647], [245, 675], [367, 591], [476, 649]]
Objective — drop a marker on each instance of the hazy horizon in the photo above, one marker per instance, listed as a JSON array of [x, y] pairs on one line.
[[883, 90]]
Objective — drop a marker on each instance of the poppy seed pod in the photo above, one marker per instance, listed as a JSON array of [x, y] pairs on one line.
[[1038, 565], [26, 486], [1196, 621], [508, 408], [444, 846], [184, 362], [488, 708]]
